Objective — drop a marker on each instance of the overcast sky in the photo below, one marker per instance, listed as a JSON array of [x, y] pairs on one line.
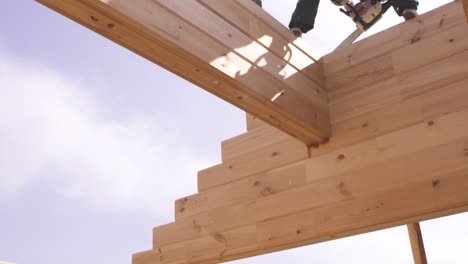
[[96, 143]]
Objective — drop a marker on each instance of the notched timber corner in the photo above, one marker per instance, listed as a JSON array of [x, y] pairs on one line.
[[394, 108]]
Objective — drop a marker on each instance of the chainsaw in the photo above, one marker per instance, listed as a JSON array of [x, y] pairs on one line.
[[365, 13]]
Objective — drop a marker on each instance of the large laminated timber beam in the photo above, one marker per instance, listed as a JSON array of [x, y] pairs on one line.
[[232, 49], [398, 155], [410, 175]]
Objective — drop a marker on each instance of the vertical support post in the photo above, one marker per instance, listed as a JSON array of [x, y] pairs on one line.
[[417, 244]]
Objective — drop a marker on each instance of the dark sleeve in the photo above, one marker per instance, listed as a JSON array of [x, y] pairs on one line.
[[401, 5], [304, 15]]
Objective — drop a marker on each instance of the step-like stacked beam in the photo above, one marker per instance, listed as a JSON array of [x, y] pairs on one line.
[[398, 104], [409, 175], [399, 155]]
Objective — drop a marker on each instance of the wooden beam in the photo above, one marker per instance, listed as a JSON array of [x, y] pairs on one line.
[[404, 34], [196, 41], [421, 95], [366, 154], [257, 161], [366, 187], [465, 4], [253, 122], [417, 244]]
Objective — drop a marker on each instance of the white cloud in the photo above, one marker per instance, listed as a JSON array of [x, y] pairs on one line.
[[52, 130]]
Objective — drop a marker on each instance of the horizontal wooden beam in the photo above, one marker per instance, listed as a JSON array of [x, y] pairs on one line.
[[282, 151], [417, 243], [211, 44], [366, 187], [404, 34]]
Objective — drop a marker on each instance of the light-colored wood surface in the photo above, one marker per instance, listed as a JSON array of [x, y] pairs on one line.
[[368, 168], [253, 122], [250, 188], [334, 163], [390, 138], [400, 88], [398, 62], [351, 207], [442, 97], [398, 155], [258, 138], [196, 42], [414, 90], [398, 105], [393, 38], [417, 243], [257, 161]]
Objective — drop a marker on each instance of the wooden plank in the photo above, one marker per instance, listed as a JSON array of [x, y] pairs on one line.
[[414, 201], [253, 122], [333, 163], [393, 38], [246, 47], [371, 166], [258, 161], [364, 204], [370, 112], [399, 88], [417, 243], [251, 141], [250, 188], [439, 100], [395, 61], [410, 57], [156, 32], [449, 42], [362, 75], [409, 203]]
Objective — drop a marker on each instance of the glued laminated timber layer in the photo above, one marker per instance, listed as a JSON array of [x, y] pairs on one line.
[[398, 154], [232, 49], [397, 104]]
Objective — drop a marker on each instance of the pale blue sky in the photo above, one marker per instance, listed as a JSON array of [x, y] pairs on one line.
[[96, 143]]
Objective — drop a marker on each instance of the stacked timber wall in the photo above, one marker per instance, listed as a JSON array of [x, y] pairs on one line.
[[398, 154]]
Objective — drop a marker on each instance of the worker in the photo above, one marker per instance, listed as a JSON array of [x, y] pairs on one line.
[[303, 18], [258, 2]]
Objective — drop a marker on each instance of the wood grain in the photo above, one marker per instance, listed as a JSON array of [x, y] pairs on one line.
[[200, 46]]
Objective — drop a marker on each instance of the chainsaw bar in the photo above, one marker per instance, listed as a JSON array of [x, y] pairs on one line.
[[350, 39]]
